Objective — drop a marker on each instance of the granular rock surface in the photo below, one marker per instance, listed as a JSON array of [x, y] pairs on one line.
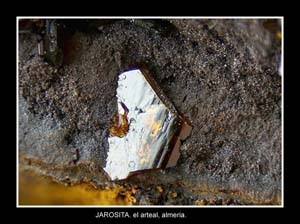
[[222, 74]]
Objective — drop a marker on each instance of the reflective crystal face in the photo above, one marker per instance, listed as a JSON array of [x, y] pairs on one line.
[[147, 130]]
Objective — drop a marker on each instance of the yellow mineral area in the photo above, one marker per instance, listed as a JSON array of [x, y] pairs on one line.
[[37, 190]]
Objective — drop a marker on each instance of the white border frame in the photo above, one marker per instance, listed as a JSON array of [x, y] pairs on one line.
[[151, 206]]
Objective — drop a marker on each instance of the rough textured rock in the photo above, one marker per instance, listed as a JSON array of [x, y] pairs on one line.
[[222, 74]]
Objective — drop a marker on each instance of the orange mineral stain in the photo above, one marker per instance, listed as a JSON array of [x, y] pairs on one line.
[[37, 190], [120, 126]]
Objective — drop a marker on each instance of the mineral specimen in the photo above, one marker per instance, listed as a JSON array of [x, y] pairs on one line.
[[147, 130]]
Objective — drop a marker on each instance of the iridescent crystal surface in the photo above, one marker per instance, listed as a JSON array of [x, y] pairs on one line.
[[147, 130]]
